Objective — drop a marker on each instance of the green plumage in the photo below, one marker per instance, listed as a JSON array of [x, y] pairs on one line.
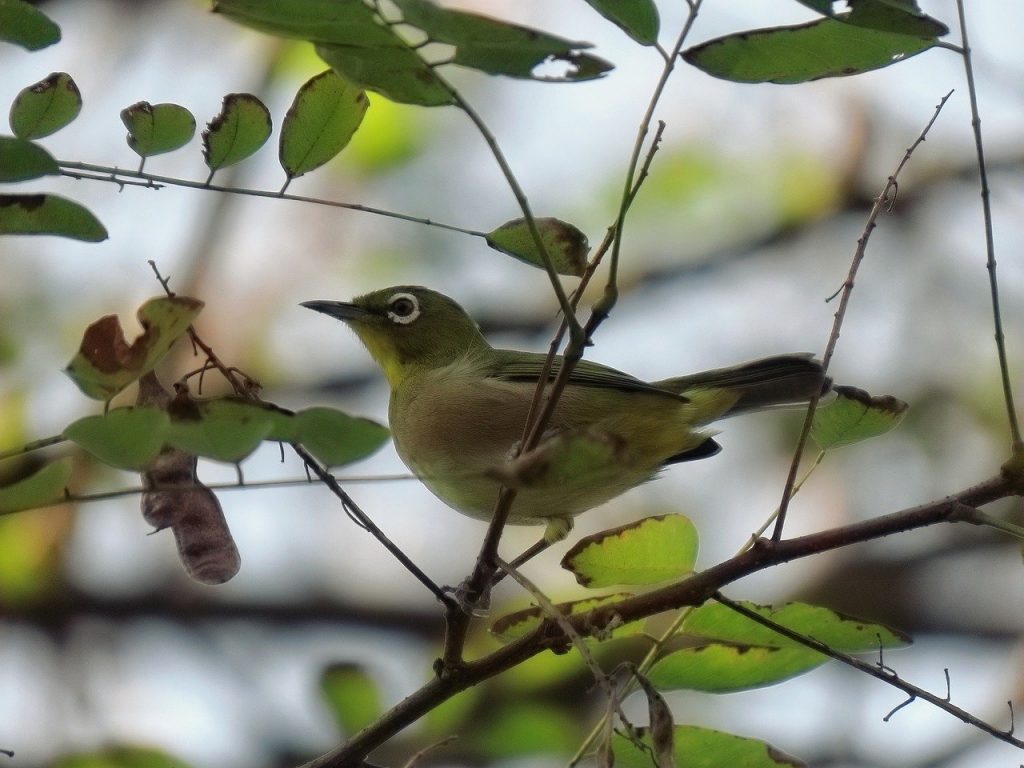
[[458, 405]]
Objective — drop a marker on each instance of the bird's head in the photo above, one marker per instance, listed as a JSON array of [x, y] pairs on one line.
[[407, 328]]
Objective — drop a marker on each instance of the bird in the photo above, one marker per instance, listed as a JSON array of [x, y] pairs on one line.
[[458, 407]]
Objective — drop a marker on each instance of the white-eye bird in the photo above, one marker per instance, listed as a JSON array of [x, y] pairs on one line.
[[458, 406]]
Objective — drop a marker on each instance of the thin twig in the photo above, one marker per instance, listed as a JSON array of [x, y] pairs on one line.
[[247, 387], [35, 445], [122, 183], [1017, 445], [85, 498], [876, 671], [550, 610], [880, 204], [119, 176]]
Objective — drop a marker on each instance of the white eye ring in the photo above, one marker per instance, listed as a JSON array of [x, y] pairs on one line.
[[403, 318]]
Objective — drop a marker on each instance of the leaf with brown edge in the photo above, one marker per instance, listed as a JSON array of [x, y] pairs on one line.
[[325, 114], [661, 725], [45, 107], [513, 626], [241, 127], [566, 245], [696, 747], [741, 654], [154, 129], [648, 551], [48, 215], [106, 363], [854, 416]]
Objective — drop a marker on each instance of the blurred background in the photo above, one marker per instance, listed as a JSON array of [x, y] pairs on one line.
[[745, 226]]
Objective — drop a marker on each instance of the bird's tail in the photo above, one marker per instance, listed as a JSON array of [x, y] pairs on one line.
[[779, 380]]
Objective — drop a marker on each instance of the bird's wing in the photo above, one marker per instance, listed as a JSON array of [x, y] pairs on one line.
[[527, 367]]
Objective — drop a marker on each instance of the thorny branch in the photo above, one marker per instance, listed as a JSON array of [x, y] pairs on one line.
[[882, 202], [689, 592], [879, 671]]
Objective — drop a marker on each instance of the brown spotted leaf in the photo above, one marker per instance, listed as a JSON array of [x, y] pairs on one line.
[[648, 551], [513, 626], [106, 363], [855, 415], [566, 246]]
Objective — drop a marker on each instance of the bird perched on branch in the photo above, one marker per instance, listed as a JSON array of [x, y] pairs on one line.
[[458, 409]]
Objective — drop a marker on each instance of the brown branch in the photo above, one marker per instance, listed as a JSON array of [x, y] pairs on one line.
[[882, 202], [246, 386], [878, 671], [695, 590]]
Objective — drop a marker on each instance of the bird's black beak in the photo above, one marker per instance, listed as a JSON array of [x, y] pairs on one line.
[[339, 310]]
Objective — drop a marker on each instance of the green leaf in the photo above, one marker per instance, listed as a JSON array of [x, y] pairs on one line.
[[565, 244], [326, 111], [127, 438], [21, 159], [352, 696], [902, 16], [241, 128], [513, 626], [726, 667], [106, 363], [744, 654], [822, 48], [523, 729], [40, 489], [24, 25], [225, 429], [500, 48], [342, 22], [157, 128], [336, 438], [352, 39], [45, 107], [839, 631], [648, 551], [695, 747], [854, 416], [120, 756], [637, 18], [395, 72], [48, 215]]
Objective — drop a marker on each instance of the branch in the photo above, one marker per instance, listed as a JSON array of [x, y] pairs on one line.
[[119, 176], [882, 202], [692, 591], [247, 387], [878, 671], [990, 248]]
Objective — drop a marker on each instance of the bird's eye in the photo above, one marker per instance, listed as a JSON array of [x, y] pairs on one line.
[[403, 308]]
